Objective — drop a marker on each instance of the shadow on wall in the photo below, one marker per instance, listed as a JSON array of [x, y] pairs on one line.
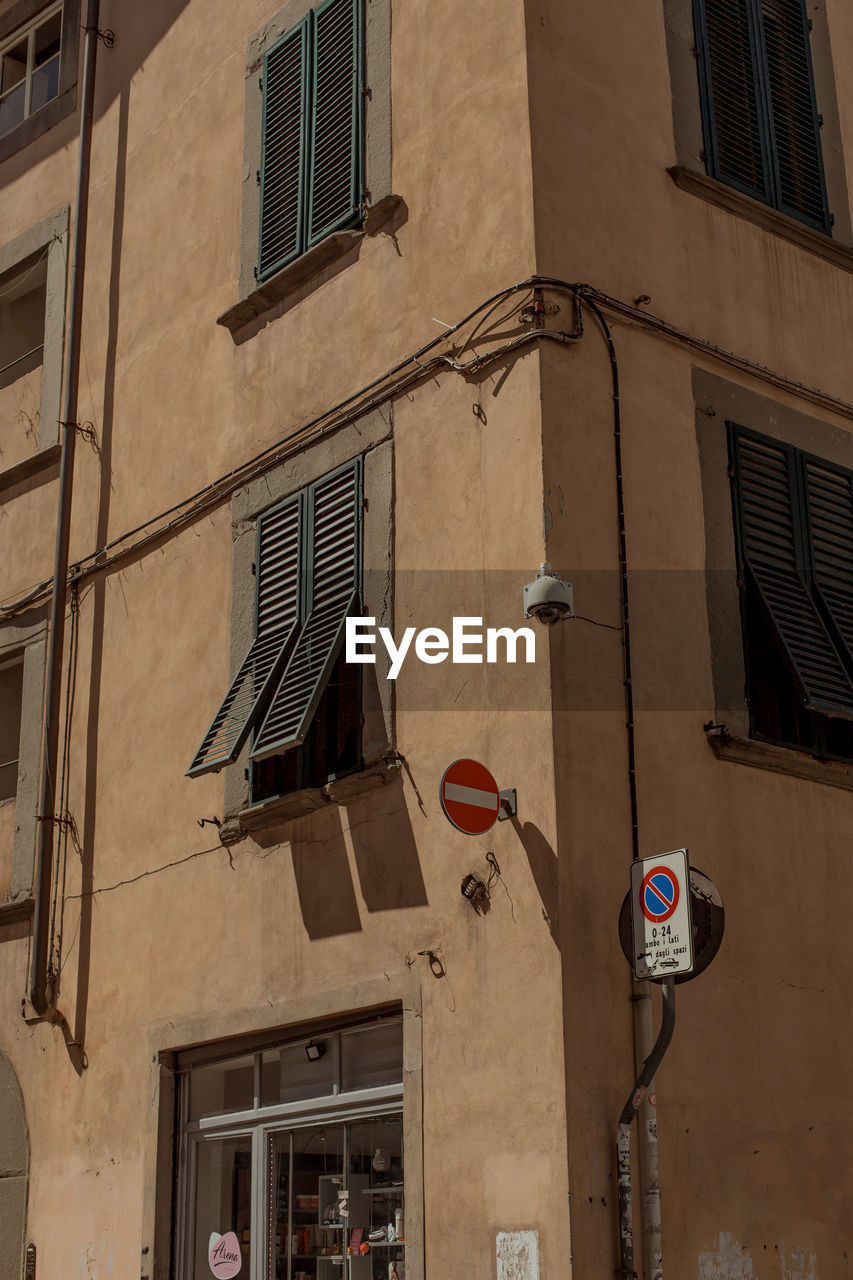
[[138, 29], [385, 857], [543, 866]]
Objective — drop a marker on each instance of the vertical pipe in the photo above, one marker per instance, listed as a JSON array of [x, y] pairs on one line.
[[623, 1133], [641, 993], [41, 985]]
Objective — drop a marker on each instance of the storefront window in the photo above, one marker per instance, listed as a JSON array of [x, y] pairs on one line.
[[300, 1175]]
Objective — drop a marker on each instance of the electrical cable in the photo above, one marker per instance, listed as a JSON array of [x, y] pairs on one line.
[[357, 403], [623, 571]]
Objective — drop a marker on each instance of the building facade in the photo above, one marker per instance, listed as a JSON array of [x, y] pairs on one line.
[[322, 328]]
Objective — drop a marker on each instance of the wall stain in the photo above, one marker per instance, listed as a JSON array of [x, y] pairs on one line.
[[729, 1261]]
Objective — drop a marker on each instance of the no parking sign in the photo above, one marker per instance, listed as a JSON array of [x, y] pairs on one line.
[[661, 918]]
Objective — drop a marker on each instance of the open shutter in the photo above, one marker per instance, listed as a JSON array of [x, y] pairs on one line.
[[280, 537], [794, 129], [830, 503], [283, 147], [335, 168], [769, 528], [736, 144], [334, 519]]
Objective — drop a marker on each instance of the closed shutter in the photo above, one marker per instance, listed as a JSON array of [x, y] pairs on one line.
[[283, 149], [759, 113], [794, 122], [773, 546], [280, 552], [728, 75], [334, 521], [335, 169], [830, 505]]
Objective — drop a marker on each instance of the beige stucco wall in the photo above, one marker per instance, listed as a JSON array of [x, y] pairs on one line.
[[525, 137], [750, 1097], [166, 937]]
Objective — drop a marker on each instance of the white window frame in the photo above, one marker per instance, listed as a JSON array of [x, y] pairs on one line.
[[29, 30], [259, 1125]]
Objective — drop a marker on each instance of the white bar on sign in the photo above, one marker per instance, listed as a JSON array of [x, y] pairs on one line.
[[470, 795]]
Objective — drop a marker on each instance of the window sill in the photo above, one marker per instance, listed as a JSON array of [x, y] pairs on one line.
[[778, 224], [761, 755], [306, 266], [272, 813], [29, 467], [16, 910]]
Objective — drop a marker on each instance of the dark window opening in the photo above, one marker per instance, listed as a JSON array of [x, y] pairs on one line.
[[11, 696], [332, 747]]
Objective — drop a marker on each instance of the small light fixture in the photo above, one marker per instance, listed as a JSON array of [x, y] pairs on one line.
[[477, 894], [314, 1052]]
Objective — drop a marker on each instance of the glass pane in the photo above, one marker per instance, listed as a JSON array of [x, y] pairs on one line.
[[12, 109], [222, 1088], [45, 83], [47, 40], [377, 1216], [11, 685], [372, 1057], [308, 1204], [288, 1074], [13, 66], [223, 1206]]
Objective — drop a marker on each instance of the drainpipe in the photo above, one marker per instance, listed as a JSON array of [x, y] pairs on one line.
[[42, 992], [623, 1134], [645, 1052]]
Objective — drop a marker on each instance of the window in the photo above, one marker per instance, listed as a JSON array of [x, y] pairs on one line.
[[312, 129], [292, 1159], [22, 666], [291, 693], [316, 146], [793, 517], [11, 691], [38, 69], [759, 116], [29, 69], [32, 328]]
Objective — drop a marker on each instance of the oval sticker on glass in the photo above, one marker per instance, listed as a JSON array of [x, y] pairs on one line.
[[223, 1254]]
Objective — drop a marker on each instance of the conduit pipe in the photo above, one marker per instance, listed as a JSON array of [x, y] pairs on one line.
[[623, 1132], [644, 1052], [42, 993]]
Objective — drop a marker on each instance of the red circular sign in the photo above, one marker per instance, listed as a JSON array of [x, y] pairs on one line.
[[469, 797], [659, 894]]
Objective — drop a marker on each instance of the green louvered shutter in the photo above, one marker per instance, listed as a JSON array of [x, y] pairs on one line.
[[830, 503], [794, 127], [336, 110], [772, 538], [280, 553], [283, 150], [732, 109], [334, 524]]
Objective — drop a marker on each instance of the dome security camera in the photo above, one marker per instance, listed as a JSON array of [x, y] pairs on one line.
[[548, 599]]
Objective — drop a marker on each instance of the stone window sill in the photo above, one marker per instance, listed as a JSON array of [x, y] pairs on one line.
[[272, 813], [15, 910], [307, 266], [762, 755], [29, 467], [778, 224]]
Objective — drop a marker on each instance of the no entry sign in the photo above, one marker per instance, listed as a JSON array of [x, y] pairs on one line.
[[469, 797], [661, 918]]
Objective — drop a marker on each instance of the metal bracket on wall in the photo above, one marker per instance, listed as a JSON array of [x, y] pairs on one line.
[[508, 804]]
